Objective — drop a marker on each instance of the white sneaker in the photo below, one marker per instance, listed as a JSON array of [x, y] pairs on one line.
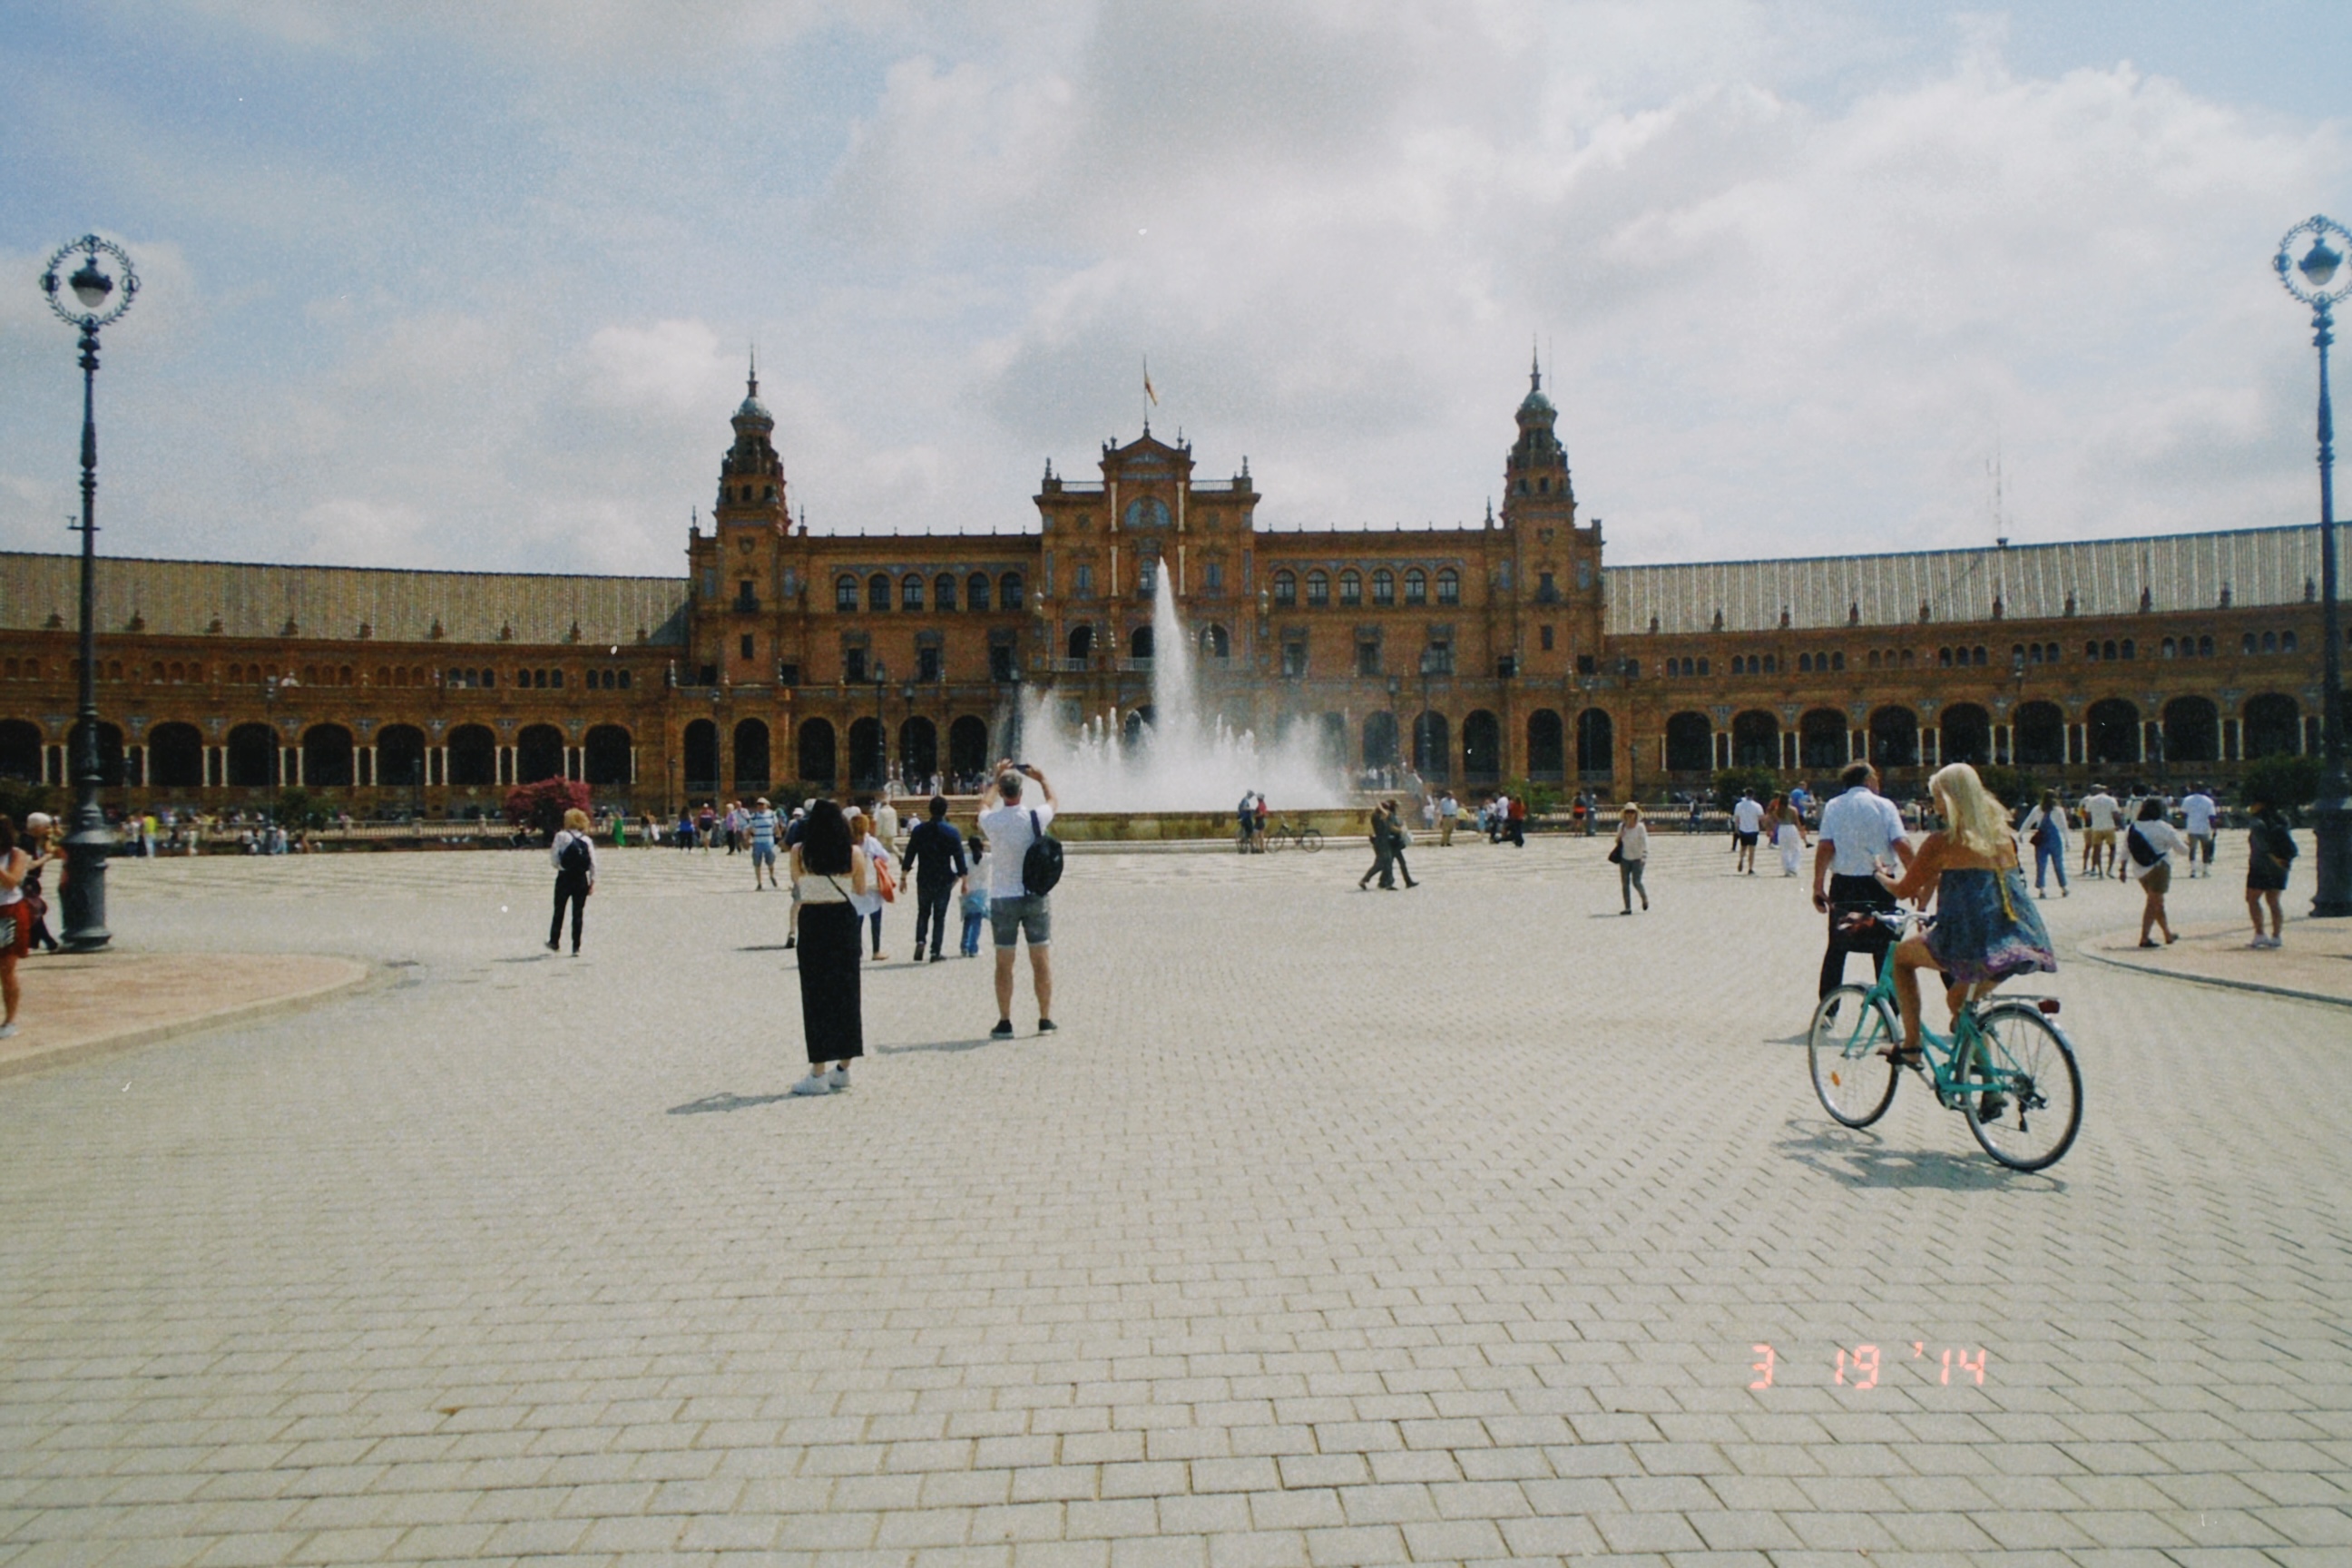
[[837, 1079], [7, 1030], [813, 1084]]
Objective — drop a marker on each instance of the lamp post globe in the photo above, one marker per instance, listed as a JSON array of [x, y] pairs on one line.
[[101, 297], [2315, 277]]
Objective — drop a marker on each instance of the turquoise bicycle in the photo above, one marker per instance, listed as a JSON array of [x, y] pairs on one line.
[[2006, 1067]]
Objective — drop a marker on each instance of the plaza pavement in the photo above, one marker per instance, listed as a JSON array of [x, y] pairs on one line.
[[1333, 1228]]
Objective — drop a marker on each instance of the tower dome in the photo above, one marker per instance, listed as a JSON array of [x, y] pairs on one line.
[[753, 412], [1536, 402]]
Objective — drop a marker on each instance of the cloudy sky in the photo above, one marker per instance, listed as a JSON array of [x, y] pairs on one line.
[[471, 284]]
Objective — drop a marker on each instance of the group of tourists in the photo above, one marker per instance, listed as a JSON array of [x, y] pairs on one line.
[[842, 871]]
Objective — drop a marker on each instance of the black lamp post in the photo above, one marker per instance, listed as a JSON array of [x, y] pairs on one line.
[[2307, 278], [88, 844], [907, 692], [881, 729]]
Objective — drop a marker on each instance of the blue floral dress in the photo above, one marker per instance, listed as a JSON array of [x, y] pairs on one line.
[[1987, 928]]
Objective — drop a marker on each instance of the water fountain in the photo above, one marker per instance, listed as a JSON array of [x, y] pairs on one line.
[[1173, 771]]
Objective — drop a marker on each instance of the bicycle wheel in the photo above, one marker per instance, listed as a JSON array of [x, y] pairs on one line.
[[1310, 839], [1855, 1083], [1276, 840], [2030, 1104]]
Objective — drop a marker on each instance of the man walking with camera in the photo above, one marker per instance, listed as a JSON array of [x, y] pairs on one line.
[[1009, 825]]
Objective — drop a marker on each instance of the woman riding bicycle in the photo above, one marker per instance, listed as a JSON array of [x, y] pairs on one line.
[[1986, 928]]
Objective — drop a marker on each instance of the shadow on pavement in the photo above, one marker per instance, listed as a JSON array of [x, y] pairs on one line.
[[765, 947], [725, 1100], [971, 1045], [1861, 1158]]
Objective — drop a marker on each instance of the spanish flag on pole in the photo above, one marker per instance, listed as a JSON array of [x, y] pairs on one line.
[[1147, 382]]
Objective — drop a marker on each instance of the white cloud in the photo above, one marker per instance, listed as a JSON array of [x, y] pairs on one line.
[[1799, 276]]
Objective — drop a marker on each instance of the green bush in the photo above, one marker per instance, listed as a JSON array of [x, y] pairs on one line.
[[295, 810], [2013, 787], [2288, 783], [1733, 783], [19, 798], [1541, 798]]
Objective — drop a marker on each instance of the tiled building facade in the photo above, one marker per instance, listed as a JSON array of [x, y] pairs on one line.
[[1472, 655]]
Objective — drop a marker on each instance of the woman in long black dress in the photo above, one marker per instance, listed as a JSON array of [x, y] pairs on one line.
[[828, 867]]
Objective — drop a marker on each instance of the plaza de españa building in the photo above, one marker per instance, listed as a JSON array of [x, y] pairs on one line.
[[789, 659]]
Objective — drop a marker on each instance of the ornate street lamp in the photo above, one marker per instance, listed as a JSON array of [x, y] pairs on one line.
[[2307, 277], [98, 300]]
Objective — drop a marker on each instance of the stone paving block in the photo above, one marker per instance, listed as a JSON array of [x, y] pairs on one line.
[[1203, 1261]]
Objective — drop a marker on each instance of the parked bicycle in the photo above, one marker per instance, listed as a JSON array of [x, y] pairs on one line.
[[2006, 1067], [1283, 835]]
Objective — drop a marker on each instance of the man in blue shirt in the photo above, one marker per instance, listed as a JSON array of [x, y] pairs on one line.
[[934, 861], [762, 826]]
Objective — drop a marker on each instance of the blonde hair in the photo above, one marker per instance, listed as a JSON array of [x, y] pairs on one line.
[[1975, 819], [576, 820], [860, 825]]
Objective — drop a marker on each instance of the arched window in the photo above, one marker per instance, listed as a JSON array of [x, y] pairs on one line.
[[968, 746], [1894, 738], [752, 755], [702, 759], [2273, 726], [1596, 743], [1385, 588], [1432, 745], [539, 753], [400, 756], [944, 592], [1139, 643], [1547, 751], [816, 752], [2041, 735], [1822, 739], [1008, 594], [2286, 642], [2113, 728], [175, 757], [975, 592], [1966, 731], [1449, 587], [877, 592], [327, 756], [473, 756], [911, 592], [2249, 645], [918, 749], [2192, 730], [253, 754], [1286, 589], [1690, 744], [1416, 587], [1319, 590], [1351, 589], [1755, 740], [1215, 642]]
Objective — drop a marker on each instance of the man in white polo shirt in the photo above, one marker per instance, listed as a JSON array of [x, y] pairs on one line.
[[1747, 823], [2197, 814], [2100, 811], [1861, 831]]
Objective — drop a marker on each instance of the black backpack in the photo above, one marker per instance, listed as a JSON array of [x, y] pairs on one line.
[[1041, 868], [577, 857], [2142, 853]]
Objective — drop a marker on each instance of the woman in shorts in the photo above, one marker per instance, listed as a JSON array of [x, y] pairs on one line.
[[2149, 845], [2270, 854], [1986, 928], [15, 920]]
